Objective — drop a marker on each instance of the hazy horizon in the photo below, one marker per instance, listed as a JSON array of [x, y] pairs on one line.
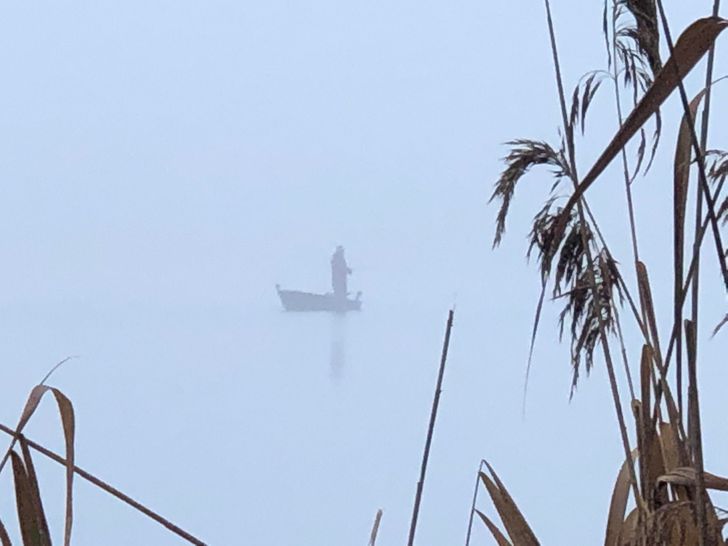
[[168, 163]]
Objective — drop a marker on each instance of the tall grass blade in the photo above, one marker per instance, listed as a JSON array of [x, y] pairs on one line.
[[375, 528], [644, 422], [683, 153], [695, 434], [430, 429], [68, 421]]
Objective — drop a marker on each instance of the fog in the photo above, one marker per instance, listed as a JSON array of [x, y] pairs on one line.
[[166, 164]]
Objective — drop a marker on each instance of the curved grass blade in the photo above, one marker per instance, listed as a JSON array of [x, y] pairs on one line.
[[687, 475], [65, 408], [31, 530], [618, 504], [30, 406], [513, 520], [630, 529], [497, 534], [683, 153], [34, 490]]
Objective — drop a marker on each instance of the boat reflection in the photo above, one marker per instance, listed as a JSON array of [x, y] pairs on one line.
[[337, 360]]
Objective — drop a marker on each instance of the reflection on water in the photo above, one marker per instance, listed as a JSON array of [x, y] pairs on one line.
[[338, 345]]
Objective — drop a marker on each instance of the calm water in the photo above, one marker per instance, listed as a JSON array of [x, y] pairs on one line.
[[248, 425]]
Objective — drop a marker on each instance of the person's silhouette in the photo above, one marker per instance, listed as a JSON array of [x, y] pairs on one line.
[[339, 273]]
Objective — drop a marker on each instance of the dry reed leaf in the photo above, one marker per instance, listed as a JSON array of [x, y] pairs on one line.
[[686, 475], [651, 461], [34, 491], [68, 421], [683, 153], [672, 456], [670, 447], [618, 504], [645, 424], [629, 530], [497, 535], [513, 520], [4, 536], [375, 528], [65, 408], [31, 405], [31, 530], [646, 302], [690, 47], [656, 493], [674, 525]]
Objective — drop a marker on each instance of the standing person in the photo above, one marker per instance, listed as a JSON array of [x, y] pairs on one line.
[[339, 273]]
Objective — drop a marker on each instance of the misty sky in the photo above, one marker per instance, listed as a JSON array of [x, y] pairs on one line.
[[165, 164]]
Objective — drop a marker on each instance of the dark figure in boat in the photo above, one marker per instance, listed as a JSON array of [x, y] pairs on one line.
[[340, 272], [337, 301]]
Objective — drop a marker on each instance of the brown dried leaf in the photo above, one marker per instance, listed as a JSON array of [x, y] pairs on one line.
[[618, 504], [646, 302], [34, 493], [686, 475], [513, 520], [683, 153], [31, 405], [674, 524], [497, 534], [628, 531], [28, 518], [68, 421], [670, 447]]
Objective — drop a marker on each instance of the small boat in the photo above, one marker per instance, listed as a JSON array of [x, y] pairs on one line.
[[295, 300]]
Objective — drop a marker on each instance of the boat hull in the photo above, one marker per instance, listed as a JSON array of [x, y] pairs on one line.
[[295, 300]]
